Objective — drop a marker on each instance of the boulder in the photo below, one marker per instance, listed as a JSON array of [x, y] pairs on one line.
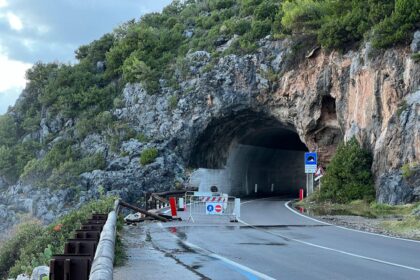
[[415, 44], [39, 272]]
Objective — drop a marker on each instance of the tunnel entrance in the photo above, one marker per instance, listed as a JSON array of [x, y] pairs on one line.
[[249, 154]]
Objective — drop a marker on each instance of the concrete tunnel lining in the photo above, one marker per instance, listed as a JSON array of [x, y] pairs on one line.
[[249, 148]]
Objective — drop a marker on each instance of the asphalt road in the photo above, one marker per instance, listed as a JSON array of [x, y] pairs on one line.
[[273, 242]]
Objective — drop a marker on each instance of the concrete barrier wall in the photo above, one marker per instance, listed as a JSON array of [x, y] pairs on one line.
[[250, 165]]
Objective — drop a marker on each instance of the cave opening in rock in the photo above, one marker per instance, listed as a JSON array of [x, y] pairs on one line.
[[249, 154]]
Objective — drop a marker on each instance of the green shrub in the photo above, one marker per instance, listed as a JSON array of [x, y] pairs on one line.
[[33, 245], [398, 27], [173, 102], [148, 156], [416, 57], [142, 138], [402, 107], [303, 15], [348, 176], [8, 131], [61, 166], [10, 250], [14, 159], [118, 103], [67, 173], [408, 169]]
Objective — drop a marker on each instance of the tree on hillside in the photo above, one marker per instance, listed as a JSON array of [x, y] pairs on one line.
[[348, 176]]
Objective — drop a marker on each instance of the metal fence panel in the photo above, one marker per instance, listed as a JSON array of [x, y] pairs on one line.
[[215, 208]]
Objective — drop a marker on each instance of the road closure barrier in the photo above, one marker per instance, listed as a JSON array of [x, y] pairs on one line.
[[212, 207]]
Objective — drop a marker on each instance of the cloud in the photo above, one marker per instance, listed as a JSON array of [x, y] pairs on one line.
[[3, 3], [51, 30], [7, 96], [12, 80], [12, 72], [14, 21]]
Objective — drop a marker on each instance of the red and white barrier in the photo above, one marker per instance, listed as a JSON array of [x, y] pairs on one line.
[[213, 199]]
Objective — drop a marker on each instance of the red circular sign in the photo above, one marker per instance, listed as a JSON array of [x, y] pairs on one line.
[[218, 208]]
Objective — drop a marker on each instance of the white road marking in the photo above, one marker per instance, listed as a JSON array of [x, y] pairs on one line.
[[332, 249], [327, 248], [223, 259], [365, 232]]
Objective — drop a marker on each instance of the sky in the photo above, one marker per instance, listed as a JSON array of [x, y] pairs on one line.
[[51, 30]]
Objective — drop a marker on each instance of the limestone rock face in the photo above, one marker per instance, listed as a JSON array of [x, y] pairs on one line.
[[325, 97]]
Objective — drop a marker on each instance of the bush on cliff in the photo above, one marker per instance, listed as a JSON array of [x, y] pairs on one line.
[[348, 176], [148, 156], [343, 24], [152, 51]]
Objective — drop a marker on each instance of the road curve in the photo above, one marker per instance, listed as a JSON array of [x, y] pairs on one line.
[[274, 242]]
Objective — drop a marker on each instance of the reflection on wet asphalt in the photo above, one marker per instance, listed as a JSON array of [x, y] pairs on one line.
[[271, 246]]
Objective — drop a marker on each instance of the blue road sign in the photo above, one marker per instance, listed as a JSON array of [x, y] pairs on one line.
[[210, 208], [311, 159]]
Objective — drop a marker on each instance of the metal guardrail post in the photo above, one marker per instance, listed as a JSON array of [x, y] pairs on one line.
[[103, 263]]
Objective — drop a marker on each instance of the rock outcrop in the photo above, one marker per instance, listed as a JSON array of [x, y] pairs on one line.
[[324, 98]]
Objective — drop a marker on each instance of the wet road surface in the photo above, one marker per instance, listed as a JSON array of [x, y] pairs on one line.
[[273, 242]]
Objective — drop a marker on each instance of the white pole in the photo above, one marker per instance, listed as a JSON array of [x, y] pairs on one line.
[[256, 188], [237, 208], [181, 203], [272, 187], [307, 184], [311, 179]]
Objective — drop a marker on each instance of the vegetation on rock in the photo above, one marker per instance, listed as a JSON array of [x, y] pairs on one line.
[[152, 51], [148, 156], [33, 244], [348, 176]]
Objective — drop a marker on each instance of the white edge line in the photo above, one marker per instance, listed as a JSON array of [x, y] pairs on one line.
[[346, 228], [223, 259], [335, 250]]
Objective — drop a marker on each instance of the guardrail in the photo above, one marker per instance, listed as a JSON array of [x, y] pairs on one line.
[[103, 263], [90, 255]]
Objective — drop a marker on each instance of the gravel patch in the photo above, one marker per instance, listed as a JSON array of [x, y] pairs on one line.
[[372, 225]]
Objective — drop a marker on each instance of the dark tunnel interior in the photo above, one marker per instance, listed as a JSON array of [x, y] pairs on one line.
[[249, 154]]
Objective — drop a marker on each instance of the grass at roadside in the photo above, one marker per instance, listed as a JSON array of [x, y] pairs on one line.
[[408, 225], [403, 220]]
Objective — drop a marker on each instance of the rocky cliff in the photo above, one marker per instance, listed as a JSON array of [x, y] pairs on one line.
[[323, 97]]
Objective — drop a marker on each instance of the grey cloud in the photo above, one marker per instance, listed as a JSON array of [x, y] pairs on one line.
[[70, 23]]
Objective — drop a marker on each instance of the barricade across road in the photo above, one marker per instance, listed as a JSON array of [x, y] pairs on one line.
[[212, 207]]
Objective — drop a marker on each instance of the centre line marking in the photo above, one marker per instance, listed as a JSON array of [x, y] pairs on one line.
[[328, 248]]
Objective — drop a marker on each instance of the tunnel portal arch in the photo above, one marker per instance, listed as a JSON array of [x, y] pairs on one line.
[[249, 153]]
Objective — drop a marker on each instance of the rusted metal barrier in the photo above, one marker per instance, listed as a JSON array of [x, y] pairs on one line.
[[79, 252], [90, 255], [81, 246], [68, 267]]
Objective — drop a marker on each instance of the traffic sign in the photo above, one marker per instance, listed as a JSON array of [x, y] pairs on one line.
[[213, 208], [319, 173], [311, 160]]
